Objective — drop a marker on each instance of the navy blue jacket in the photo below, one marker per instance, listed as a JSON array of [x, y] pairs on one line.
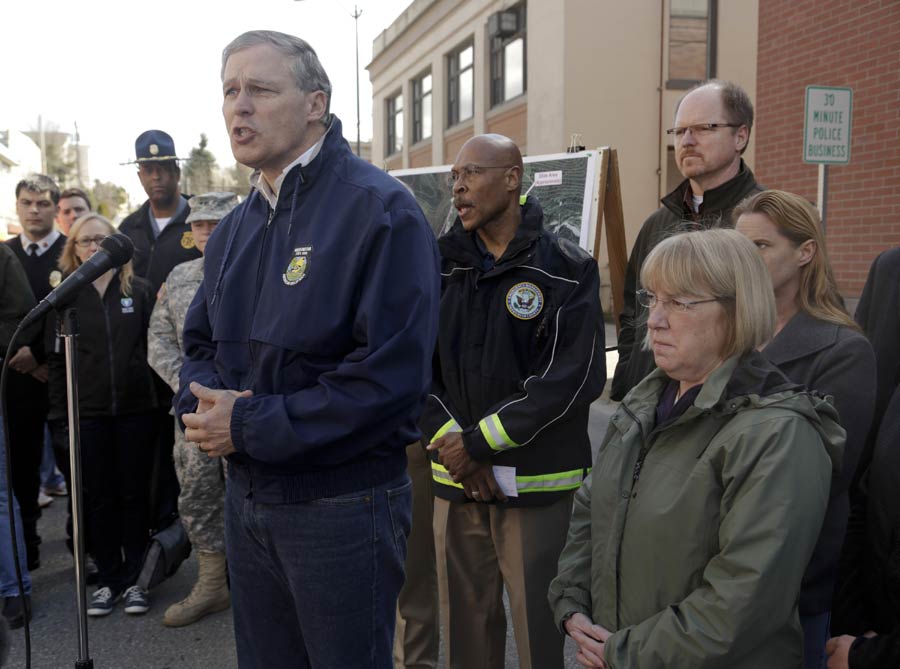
[[327, 309]]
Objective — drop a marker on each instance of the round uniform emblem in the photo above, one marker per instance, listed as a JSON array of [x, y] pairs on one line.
[[154, 149], [187, 240], [524, 300], [296, 270], [55, 278]]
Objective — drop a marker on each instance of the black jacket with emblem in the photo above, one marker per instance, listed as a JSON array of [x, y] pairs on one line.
[[520, 358], [154, 257], [113, 375], [672, 217], [26, 393]]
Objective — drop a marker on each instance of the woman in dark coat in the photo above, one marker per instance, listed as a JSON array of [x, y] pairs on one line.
[[818, 344], [117, 402], [867, 606]]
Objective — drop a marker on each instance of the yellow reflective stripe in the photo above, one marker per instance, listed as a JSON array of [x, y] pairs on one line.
[[440, 475], [494, 433], [450, 426], [569, 480]]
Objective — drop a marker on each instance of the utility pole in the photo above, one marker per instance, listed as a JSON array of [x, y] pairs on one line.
[[356, 14]]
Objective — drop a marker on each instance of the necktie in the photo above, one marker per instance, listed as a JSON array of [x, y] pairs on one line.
[[33, 249]]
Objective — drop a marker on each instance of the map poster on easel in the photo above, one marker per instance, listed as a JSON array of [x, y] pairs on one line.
[[576, 190], [565, 184]]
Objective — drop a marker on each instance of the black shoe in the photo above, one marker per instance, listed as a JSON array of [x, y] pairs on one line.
[[14, 611], [91, 572], [34, 559]]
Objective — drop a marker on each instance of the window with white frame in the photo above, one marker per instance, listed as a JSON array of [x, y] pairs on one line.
[[394, 123], [460, 84]]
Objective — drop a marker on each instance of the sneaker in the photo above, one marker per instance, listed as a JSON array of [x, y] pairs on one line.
[[136, 601], [55, 490], [44, 500], [102, 602]]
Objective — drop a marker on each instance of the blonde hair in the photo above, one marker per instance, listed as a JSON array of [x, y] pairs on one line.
[[723, 264], [798, 221], [69, 262]]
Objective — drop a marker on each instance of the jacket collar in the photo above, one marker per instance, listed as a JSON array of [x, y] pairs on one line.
[[738, 376], [460, 246], [333, 147], [715, 200], [802, 336]]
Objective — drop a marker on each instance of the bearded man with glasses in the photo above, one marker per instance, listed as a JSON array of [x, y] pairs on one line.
[[712, 129]]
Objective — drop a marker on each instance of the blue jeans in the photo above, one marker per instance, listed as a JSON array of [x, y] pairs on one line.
[[315, 584], [50, 476], [815, 636], [9, 587]]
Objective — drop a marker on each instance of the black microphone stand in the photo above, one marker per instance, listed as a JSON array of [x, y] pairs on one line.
[[68, 331]]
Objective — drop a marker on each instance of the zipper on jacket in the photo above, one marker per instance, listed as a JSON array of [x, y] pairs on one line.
[[109, 349], [259, 265]]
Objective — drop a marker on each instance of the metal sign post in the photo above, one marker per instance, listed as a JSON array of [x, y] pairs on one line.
[[827, 121]]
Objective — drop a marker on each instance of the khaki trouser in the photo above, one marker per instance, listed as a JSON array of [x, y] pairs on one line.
[[417, 638], [482, 547]]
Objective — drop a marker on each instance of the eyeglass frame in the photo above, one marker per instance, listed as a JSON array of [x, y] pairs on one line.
[[472, 170], [86, 243], [699, 129], [678, 306]]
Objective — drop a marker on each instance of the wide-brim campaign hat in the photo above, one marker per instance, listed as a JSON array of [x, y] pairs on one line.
[[153, 146]]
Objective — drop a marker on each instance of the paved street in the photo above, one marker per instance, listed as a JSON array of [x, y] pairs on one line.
[[120, 640]]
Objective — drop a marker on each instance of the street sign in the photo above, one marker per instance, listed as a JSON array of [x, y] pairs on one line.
[[827, 123]]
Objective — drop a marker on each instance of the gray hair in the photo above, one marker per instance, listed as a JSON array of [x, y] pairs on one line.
[[726, 265], [309, 74], [39, 183], [735, 100]]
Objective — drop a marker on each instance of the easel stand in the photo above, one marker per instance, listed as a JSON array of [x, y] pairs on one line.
[[68, 330], [610, 215]]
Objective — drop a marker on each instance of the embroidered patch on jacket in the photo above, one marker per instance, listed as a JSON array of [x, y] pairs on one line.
[[55, 278], [187, 240], [127, 305], [524, 300], [296, 269]]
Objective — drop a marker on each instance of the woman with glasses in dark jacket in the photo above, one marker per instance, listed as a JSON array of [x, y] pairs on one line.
[[817, 344], [116, 404]]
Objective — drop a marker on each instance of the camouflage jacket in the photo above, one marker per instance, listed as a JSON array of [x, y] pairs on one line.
[[164, 341]]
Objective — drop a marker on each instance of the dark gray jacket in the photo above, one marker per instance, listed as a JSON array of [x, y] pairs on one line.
[[838, 361]]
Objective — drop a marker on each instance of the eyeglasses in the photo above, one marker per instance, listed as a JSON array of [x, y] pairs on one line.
[[85, 242], [469, 171], [647, 299], [700, 129]]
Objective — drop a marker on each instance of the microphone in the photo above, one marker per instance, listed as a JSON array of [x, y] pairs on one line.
[[114, 251]]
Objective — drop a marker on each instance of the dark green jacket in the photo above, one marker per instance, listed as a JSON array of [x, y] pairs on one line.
[[695, 558]]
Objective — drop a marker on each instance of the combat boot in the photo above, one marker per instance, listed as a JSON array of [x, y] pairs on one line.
[[209, 595]]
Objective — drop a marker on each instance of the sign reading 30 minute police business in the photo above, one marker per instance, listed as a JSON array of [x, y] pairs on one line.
[[827, 123]]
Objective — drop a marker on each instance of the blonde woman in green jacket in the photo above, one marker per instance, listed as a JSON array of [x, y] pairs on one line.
[[689, 540]]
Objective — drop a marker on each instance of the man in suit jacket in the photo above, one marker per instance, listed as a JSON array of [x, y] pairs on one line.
[[37, 248]]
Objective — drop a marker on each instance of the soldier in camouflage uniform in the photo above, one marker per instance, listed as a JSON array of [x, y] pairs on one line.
[[202, 482]]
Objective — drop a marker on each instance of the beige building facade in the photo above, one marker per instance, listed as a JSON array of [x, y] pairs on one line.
[[539, 71]]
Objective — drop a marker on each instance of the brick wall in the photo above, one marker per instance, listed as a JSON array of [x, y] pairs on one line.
[[852, 43]]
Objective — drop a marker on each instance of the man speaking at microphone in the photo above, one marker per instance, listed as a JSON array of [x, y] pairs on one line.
[[308, 356]]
